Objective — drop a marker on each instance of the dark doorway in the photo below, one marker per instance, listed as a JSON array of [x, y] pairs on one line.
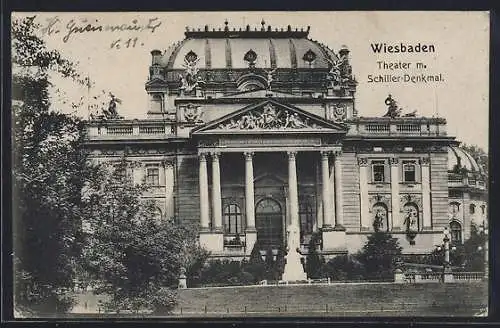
[[269, 223]]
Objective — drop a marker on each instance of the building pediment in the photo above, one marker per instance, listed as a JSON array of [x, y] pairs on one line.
[[269, 117], [155, 82]]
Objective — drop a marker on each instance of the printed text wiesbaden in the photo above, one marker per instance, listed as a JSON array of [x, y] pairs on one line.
[[402, 47]]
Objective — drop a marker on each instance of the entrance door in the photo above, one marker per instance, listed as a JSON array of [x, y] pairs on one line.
[[269, 223]]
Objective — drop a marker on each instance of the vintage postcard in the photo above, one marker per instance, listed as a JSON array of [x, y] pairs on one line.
[[250, 164]]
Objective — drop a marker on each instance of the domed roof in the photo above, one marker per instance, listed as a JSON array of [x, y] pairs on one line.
[[459, 157], [283, 48]]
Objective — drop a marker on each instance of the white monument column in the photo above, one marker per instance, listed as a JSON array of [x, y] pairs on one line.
[[168, 167], [250, 232], [204, 205], [326, 197], [294, 270], [339, 201], [216, 193], [292, 188], [363, 193], [426, 193], [396, 216]]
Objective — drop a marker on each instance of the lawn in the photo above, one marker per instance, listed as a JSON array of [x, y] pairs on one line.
[[335, 300]]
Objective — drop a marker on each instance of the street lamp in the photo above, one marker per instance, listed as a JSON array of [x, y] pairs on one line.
[[447, 276], [483, 230]]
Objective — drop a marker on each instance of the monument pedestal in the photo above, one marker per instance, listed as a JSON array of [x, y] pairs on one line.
[[250, 239], [294, 270]]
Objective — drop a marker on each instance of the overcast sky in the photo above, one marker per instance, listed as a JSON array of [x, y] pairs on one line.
[[461, 41]]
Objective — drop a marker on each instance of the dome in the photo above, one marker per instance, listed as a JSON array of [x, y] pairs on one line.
[[268, 48], [459, 157]]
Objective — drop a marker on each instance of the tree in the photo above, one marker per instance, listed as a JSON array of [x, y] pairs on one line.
[[379, 254], [48, 171], [133, 257]]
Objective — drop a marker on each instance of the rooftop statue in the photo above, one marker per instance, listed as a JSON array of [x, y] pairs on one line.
[[392, 108]]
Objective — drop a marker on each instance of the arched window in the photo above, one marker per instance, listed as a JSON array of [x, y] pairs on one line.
[[306, 217], [411, 217], [456, 232], [380, 217], [483, 209], [232, 219], [472, 209]]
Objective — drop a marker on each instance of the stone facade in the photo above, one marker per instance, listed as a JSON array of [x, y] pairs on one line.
[[259, 150]]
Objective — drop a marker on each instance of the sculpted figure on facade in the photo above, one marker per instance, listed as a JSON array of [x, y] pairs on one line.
[[190, 79]]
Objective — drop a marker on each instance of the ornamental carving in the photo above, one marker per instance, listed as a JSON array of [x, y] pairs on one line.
[[270, 78], [337, 112], [362, 161], [424, 161], [393, 161], [381, 199], [410, 198], [190, 78], [335, 75], [208, 143], [268, 118], [192, 113]]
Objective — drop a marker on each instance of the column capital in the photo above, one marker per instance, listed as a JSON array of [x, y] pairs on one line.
[[337, 153], [202, 157], [424, 161], [167, 163], [394, 161], [248, 155], [215, 155], [325, 153], [291, 154], [362, 161]]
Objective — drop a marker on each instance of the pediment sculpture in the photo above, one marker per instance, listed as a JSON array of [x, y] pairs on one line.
[[269, 117]]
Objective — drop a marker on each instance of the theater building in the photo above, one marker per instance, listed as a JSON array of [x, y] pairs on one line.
[[252, 131]]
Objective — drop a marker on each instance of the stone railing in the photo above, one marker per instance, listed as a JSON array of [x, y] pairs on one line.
[[468, 276], [128, 129], [426, 277], [458, 180], [403, 126]]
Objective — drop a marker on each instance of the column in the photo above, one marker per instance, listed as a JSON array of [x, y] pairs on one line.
[[292, 189], [216, 193], [168, 166], [204, 206], [396, 216], [319, 201], [426, 193], [339, 199], [325, 172], [363, 193], [249, 193]]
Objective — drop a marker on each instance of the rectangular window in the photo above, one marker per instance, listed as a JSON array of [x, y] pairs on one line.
[[153, 176], [409, 171], [378, 171]]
